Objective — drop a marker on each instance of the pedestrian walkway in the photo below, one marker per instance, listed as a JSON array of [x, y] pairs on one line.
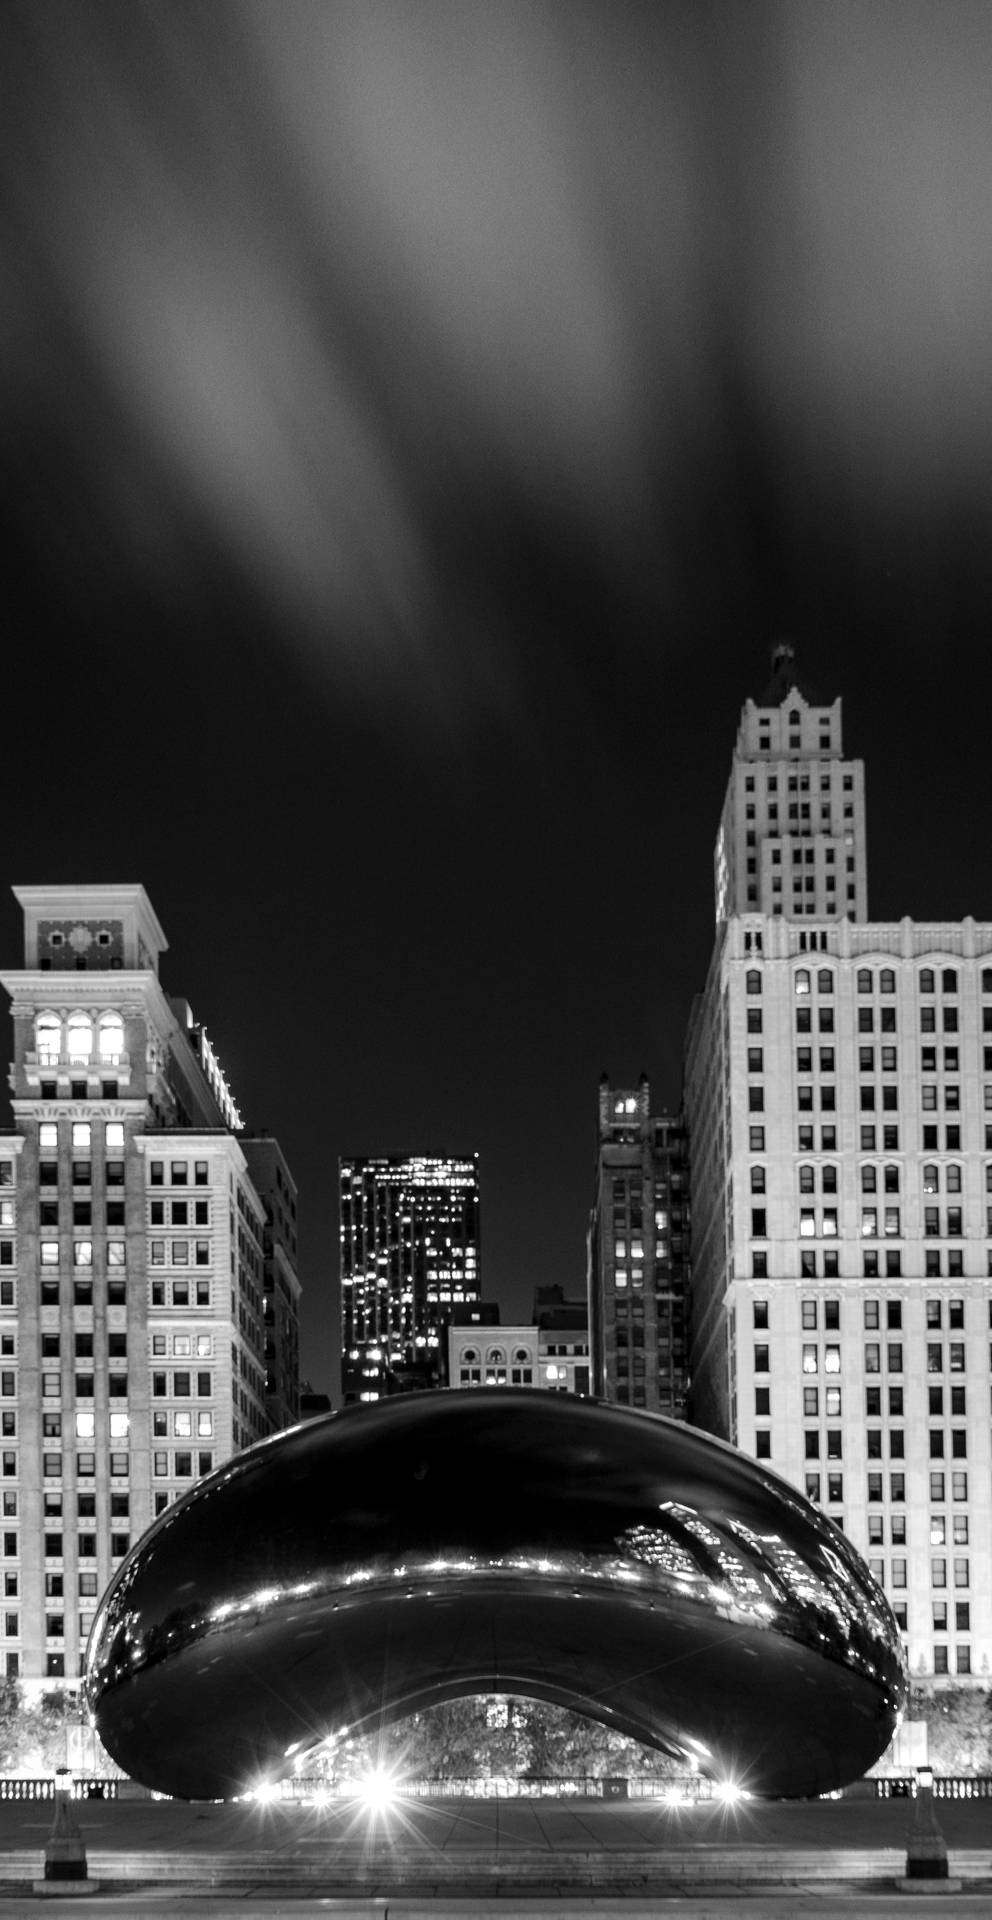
[[517, 1858]]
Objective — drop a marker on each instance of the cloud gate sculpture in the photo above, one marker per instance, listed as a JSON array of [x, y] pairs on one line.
[[378, 1561]]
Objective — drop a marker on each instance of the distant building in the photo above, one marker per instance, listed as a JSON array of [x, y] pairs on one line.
[[276, 1188], [638, 1254], [550, 1352], [491, 1355], [563, 1341], [839, 1100], [133, 1251], [410, 1254], [312, 1404]]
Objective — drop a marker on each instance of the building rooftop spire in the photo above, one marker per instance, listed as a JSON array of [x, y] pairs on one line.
[[785, 679]]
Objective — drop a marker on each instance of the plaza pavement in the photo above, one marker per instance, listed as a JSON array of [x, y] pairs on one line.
[[515, 1858]]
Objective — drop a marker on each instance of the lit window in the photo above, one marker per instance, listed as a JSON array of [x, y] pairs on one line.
[[48, 1039], [79, 1037]]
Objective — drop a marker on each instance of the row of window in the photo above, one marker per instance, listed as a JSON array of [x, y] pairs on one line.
[[181, 1213], [868, 980], [826, 1359], [178, 1173], [70, 1041], [82, 1174], [877, 1489], [82, 1253], [813, 1440], [178, 1465], [82, 1134], [810, 1311]]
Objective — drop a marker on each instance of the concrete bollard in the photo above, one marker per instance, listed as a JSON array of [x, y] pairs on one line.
[[65, 1852], [926, 1848]]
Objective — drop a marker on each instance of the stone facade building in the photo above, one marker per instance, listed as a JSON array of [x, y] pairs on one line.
[[133, 1254]]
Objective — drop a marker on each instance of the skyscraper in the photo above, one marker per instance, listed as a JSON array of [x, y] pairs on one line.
[[792, 832], [637, 1249], [409, 1237], [132, 1265], [839, 1102]]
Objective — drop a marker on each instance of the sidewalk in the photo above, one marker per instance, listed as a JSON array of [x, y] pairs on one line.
[[519, 1858]]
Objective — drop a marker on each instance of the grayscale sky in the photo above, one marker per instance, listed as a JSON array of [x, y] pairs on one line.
[[420, 421]]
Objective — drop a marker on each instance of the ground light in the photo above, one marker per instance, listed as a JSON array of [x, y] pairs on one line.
[[378, 1790], [729, 1793]]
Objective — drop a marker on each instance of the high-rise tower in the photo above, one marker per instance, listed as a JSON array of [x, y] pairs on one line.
[[839, 1101], [409, 1254], [792, 833], [132, 1265]]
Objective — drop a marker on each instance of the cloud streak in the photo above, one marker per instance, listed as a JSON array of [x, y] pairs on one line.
[[370, 293]]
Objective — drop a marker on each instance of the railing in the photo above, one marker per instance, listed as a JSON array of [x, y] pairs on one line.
[[946, 1786], [49, 1062], [43, 1788], [508, 1787]]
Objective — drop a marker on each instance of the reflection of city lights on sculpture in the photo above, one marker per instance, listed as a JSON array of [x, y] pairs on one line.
[[370, 1565]]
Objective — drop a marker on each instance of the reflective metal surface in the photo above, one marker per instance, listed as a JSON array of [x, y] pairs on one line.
[[380, 1560]]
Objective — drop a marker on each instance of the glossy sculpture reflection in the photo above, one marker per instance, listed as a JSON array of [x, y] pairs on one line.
[[381, 1560]]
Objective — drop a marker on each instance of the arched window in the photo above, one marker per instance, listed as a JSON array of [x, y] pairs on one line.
[[752, 980], [111, 1038], [521, 1355], [926, 980], [952, 1179], [807, 1180], [987, 979], [931, 1178], [887, 981], [864, 980], [825, 980], [892, 1179], [79, 1036], [757, 1179], [470, 1356], [802, 980], [495, 1357], [48, 1039], [869, 1180]]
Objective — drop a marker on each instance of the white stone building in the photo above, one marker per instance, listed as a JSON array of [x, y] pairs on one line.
[[839, 1103], [133, 1247]]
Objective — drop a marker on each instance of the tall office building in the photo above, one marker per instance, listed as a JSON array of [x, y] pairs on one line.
[[410, 1254], [637, 1254], [792, 833], [133, 1248], [839, 1101]]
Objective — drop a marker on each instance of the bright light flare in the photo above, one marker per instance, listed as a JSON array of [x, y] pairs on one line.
[[379, 1790], [729, 1792], [264, 1792]]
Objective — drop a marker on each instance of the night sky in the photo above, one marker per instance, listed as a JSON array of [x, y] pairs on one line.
[[419, 422]]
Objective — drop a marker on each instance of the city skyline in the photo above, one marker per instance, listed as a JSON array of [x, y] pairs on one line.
[[386, 580]]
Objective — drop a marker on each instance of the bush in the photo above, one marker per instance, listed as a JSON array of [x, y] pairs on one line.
[[496, 1735], [959, 1726]]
